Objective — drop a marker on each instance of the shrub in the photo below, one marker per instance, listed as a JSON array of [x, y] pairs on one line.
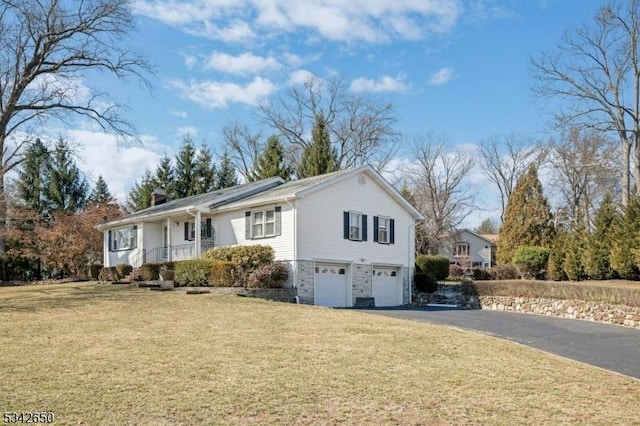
[[247, 258], [150, 271], [192, 273], [167, 275], [222, 273], [167, 265], [506, 271], [455, 271], [531, 261], [109, 273], [123, 269], [437, 266], [480, 274], [273, 275], [94, 271], [425, 283]]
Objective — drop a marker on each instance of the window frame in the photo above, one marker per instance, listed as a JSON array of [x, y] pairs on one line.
[[358, 226], [117, 235], [263, 224], [386, 228], [460, 253]]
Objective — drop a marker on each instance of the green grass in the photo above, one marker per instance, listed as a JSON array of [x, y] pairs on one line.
[[104, 354]]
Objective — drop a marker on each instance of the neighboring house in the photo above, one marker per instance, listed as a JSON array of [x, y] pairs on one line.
[[470, 250], [344, 235]]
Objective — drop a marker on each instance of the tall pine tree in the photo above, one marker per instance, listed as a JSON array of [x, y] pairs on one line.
[[164, 177], [205, 171], [597, 255], [139, 196], [318, 157], [100, 193], [66, 189], [625, 246], [527, 219], [271, 162], [32, 179], [185, 170], [226, 177]]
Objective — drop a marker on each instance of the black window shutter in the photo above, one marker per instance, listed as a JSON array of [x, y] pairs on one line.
[[208, 228], [375, 229], [186, 231], [364, 227], [247, 225], [134, 238], [110, 241], [278, 225], [345, 221], [392, 231]]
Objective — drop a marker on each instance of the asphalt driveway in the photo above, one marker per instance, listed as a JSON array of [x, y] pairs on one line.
[[610, 347]]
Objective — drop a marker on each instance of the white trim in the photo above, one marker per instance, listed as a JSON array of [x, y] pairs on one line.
[[348, 274]]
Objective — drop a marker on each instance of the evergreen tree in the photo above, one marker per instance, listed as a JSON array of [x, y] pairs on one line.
[[226, 177], [32, 182], [185, 177], [597, 255], [272, 162], [205, 171], [318, 157], [164, 177], [486, 227], [66, 189], [575, 245], [555, 265], [139, 196], [625, 245], [101, 193], [527, 220]]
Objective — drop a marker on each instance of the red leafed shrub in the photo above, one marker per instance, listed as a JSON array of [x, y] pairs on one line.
[[272, 275]]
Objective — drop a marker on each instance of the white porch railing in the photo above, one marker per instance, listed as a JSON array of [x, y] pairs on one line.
[[183, 252]]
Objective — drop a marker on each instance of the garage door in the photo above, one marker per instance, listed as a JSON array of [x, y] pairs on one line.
[[387, 286], [331, 285]]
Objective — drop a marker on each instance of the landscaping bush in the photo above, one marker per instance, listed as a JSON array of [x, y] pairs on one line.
[[123, 269], [436, 266], [246, 258], [94, 271], [455, 271], [480, 274], [425, 283], [531, 261], [167, 275], [273, 275], [167, 265], [192, 273], [506, 271], [150, 271], [109, 273], [222, 273]]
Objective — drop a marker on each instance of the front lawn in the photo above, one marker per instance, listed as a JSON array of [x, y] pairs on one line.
[[105, 354]]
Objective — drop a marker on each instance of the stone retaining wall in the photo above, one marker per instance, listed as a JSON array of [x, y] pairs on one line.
[[571, 309]]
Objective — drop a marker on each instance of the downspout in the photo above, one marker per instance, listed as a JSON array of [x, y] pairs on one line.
[[295, 245], [409, 269]]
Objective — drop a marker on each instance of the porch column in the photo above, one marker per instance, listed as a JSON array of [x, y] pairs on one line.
[[198, 238], [169, 238], [105, 248]]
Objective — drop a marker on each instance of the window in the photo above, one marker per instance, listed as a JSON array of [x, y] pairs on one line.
[[206, 230], [355, 223], [383, 230], [190, 231], [123, 239], [263, 223], [461, 250], [355, 226]]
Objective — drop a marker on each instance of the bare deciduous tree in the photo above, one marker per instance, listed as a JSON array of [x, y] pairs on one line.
[[584, 170], [361, 128], [505, 158], [596, 71], [46, 48], [244, 148], [439, 190]]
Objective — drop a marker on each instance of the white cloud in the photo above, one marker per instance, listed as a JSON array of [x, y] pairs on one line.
[[188, 131], [215, 94], [488, 10], [190, 61], [299, 77], [369, 21], [442, 77], [243, 64], [179, 114], [384, 84]]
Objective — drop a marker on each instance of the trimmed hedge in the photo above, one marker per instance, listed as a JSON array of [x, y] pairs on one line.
[[436, 266], [272, 275], [150, 271], [123, 269], [94, 271], [425, 283], [246, 258], [505, 271], [192, 273], [109, 273], [531, 261], [222, 273]]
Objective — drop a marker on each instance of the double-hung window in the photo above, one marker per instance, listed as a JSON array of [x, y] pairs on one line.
[[263, 223], [461, 249], [383, 230], [123, 238], [355, 226]]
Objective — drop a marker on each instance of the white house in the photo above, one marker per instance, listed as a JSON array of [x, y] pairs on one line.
[[470, 249], [345, 235]]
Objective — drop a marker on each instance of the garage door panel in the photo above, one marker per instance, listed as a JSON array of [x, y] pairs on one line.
[[331, 285], [386, 286]]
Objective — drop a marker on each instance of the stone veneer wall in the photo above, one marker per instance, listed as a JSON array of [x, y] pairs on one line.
[[305, 280], [627, 316], [407, 274], [361, 284]]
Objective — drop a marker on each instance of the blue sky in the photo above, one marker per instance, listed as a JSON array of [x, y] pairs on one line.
[[457, 68]]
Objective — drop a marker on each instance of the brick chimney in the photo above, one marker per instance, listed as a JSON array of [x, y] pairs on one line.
[[158, 197]]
